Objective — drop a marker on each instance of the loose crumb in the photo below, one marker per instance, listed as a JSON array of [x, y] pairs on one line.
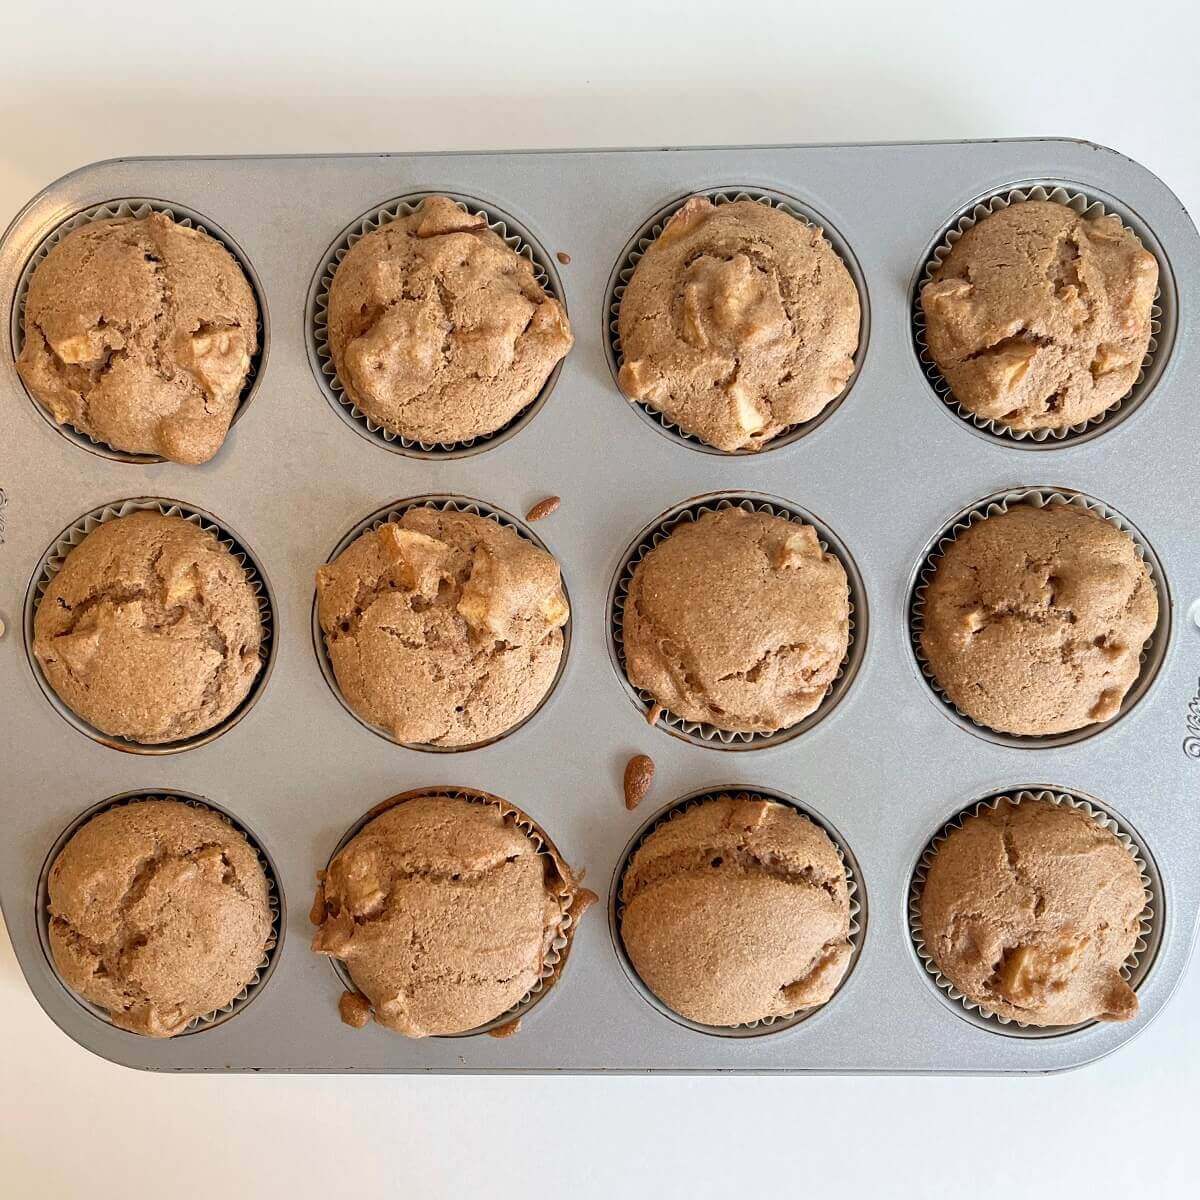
[[355, 1010], [543, 508], [656, 711], [563, 257]]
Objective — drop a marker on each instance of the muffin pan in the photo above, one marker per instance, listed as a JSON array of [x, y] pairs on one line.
[[886, 471]]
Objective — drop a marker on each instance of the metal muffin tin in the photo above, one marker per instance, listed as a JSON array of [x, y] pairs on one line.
[[888, 470]]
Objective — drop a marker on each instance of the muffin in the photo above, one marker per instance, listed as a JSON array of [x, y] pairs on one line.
[[443, 628], [1031, 909], [737, 910], [1039, 318], [139, 333], [739, 321], [1035, 619], [445, 912], [439, 331], [150, 630], [737, 620], [158, 914]]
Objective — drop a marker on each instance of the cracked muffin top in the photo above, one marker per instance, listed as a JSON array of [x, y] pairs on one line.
[[739, 321], [150, 630], [444, 912], [1030, 910], [139, 333], [1035, 619], [439, 331], [737, 620], [158, 914], [737, 910], [1039, 318], [444, 628]]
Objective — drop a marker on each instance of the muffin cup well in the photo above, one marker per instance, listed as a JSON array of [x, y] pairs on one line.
[[275, 901], [1162, 313], [1153, 652], [560, 948], [138, 208], [51, 562], [641, 241], [657, 531], [854, 885], [1136, 967], [443, 503], [320, 357]]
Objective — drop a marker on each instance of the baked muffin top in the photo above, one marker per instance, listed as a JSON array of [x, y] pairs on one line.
[[439, 331], [737, 910], [158, 913], [443, 627], [1039, 318], [738, 620], [1035, 619], [739, 321], [1030, 910], [150, 630], [139, 333]]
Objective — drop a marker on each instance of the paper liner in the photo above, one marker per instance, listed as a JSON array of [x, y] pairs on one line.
[[274, 900], [138, 208], [699, 733], [641, 242], [1136, 967], [463, 504], [50, 564], [320, 357], [1153, 651], [1162, 317], [766, 1025], [560, 947]]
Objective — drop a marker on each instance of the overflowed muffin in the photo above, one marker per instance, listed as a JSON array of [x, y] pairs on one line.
[[139, 332], [150, 630], [737, 910], [1035, 619], [439, 331], [738, 322], [159, 914], [1039, 318], [1031, 909], [737, 620]]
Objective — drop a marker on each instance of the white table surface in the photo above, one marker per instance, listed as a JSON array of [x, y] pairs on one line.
[[83, 82]]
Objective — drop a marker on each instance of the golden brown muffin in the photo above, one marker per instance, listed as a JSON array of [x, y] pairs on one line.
[[738, 321], [444, 912], [439, 331], [1035, 619], [139, 333], [1039, 318], [158, 914], [737, 910], [738, 620], [150, 630], [1030, 910], [443, 627]]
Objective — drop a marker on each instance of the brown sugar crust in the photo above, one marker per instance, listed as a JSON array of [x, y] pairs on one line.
[[739, 321], [1039, 318], [1035, 619], [159, 914], [150, 630], [439, 331], [139, 333]]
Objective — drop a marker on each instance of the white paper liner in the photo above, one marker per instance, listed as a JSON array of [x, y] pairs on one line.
[[1153, 650], [511, 232], [1084, 205], [1136, 966], [700, 733], [641, 242], [463, 504], [137, 208], [73, 535]]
